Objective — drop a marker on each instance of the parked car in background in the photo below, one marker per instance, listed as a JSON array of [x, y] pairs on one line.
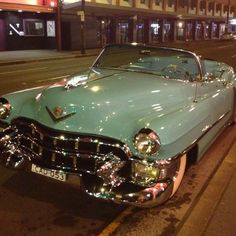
[[125, 129], [228, 36]]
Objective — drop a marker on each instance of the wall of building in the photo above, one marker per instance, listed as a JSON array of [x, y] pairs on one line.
[[28, 31], [27, 24], [168, 20]]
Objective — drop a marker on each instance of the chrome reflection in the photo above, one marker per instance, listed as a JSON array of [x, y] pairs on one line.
[[108, 170]]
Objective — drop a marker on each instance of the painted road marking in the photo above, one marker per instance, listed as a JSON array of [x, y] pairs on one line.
[[51, 79], [117, 221], [25, 70], [226, 46]]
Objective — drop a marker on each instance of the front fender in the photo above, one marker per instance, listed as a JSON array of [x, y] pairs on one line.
[[18, 99], [179, 130]]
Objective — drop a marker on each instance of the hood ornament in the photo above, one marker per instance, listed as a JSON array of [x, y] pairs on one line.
[[76, 81], [57, 113]]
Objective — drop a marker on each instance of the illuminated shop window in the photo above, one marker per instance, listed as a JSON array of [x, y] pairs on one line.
[[33, 27], [155, 31]]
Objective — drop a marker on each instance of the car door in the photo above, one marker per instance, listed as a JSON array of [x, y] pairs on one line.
[[216, 94]]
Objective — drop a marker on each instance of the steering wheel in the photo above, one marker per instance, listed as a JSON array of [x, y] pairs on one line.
[[173, 71]]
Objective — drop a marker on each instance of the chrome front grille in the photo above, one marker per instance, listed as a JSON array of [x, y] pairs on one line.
[[65, 150]]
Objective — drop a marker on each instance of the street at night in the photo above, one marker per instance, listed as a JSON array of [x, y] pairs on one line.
[[36, 205]]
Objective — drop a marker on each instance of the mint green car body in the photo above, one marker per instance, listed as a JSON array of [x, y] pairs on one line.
[[187, 113]]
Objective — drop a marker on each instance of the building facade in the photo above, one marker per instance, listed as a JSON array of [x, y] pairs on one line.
[[94, 23], [28, 24]]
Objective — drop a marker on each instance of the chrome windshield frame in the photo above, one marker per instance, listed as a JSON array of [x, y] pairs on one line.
[[148, 47]]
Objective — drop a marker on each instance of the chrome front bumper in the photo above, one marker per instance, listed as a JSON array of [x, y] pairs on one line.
[[13, 156]]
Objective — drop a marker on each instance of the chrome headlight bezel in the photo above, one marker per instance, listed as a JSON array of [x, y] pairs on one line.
[[5, 108], [147, 142]]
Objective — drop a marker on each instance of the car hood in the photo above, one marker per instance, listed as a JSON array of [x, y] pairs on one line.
[[114, 103]]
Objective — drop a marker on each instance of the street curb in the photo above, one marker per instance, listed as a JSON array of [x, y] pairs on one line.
[[23, 61], [201, 215]]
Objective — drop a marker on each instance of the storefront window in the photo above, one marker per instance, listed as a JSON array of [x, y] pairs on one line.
[[199, 29], [140, 32], [189, 30], [207, 31], [122, 32], [167, 31], [214, 30], [222, 28], [155, 32], [180, 30], [103, 32], [33, 27]]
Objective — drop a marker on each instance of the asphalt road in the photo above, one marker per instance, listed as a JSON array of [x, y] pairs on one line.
[[33, 205], [26, 75]]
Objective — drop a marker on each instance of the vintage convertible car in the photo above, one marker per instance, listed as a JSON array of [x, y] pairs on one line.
[[125, 129]]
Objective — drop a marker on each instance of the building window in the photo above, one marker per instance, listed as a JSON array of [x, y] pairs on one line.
[[143, 1], [232, 9], [158, 2], [171, 2], [226, 8], [211, 6], [193, 4], [218, 7], [183, 3], [33, 27], [203, 5]]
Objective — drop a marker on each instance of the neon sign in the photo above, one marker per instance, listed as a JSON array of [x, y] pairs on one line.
[[51, 3]]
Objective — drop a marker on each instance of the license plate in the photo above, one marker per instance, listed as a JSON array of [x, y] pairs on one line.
[[54, 174]]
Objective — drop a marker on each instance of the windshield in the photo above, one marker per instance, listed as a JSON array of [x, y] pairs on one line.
[[170, 63]]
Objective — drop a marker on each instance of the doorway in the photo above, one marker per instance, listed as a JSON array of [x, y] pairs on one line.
[[123, 32]]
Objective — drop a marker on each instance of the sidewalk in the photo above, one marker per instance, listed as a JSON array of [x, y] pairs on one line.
[[24, 56], [215, 212]]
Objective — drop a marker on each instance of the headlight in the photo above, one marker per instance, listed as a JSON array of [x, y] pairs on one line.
[[147, 142], [5, 108], [144, 170], [146, 174]]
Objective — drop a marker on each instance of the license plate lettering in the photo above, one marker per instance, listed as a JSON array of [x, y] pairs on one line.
[[54, 174]]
